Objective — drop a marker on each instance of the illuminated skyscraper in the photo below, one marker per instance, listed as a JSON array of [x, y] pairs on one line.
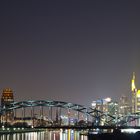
[[135, 96], [124, 107], [7, 97], [101, 104], [138, 101], [134, 90]]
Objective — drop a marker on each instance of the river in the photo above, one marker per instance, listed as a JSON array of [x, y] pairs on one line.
[[46, 135]]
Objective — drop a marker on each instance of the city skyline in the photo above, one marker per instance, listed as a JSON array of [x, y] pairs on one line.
[[76, 51]]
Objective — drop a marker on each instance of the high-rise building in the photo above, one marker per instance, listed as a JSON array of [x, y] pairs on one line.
[[101, 104], [138, 101], [133, 90], [7, 97], [124, 107], [113, 108], [135, 96]]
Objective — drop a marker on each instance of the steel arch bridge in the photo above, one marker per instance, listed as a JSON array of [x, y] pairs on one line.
[[54, 110]]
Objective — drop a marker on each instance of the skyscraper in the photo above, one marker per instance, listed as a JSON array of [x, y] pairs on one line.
[[135, 96], [124, 107], [7, 97]]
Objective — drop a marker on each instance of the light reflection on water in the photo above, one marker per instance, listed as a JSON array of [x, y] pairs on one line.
[[46, 135]]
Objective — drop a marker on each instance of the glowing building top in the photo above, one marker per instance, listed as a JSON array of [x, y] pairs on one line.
[[133, 86], [7, 97], [135, 96]]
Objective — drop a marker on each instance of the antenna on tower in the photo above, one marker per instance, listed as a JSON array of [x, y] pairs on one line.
[[133, 86], [134, 75]]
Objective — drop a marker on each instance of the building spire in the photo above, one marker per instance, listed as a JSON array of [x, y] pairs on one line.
[[133, 86], [134, 75]]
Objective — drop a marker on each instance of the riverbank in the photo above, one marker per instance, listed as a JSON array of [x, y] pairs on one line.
[[19, 130]]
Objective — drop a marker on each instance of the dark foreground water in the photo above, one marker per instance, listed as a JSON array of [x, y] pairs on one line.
[[45, 135], [115, 136], [69, 135]]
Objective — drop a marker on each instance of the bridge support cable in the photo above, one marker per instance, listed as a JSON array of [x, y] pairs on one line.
[[87, 116], [59, 115], [78, 114], [50, 113], [68, 114], [32, 115], [22, 114], [41, 115], [2, 120]]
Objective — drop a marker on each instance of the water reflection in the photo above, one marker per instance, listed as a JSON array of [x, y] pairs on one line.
[[46, 135]]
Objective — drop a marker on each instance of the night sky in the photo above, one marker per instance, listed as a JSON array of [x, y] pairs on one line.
[[73, 50]]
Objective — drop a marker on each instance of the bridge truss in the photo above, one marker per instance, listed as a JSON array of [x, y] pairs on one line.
[[54, 113], [58, 113]]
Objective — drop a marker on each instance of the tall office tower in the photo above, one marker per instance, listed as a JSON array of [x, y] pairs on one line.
[[138, 101], [105, 105], [135, 96], [101, 104], [113, 108], [124, 107], [7, 97], [134, 92]]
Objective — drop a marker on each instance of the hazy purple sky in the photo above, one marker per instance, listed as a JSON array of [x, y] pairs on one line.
[[71, 50]]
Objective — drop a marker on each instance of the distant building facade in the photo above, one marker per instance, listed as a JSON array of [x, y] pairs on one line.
[[124, 107], [101, 104], [7, 98]]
